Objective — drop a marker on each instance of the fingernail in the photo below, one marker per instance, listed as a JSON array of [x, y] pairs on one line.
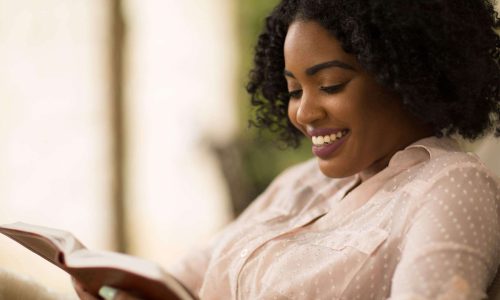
[[108, 293]]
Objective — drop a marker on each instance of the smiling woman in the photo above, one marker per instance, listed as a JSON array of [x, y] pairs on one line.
[[391, 207]]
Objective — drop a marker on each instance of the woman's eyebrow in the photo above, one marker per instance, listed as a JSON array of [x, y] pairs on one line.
[[329, 64], [316, 68]]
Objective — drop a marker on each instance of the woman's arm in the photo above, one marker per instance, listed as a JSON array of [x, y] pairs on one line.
[[452, 248]]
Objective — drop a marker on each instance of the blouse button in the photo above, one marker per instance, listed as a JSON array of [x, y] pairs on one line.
[[244, 252]]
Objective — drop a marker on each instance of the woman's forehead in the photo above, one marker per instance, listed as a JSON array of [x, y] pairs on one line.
[[307, 44]]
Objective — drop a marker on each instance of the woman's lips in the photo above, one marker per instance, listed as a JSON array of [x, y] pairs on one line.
[[326, 149]]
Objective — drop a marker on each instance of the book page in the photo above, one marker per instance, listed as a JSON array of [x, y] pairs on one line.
[[63, 240], [38, 245], [51, 244]]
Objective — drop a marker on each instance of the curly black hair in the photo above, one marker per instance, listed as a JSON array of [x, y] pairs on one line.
[[440, 56]]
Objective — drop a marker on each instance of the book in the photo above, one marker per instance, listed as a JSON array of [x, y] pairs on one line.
[[94, 269]]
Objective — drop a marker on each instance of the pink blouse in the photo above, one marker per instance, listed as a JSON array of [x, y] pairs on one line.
[[425, 227]]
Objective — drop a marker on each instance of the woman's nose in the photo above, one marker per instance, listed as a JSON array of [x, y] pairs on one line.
[[309, 110]]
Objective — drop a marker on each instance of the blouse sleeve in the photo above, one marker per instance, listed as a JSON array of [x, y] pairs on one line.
[[451, 250]]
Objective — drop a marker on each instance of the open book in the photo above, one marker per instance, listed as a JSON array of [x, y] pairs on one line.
[[93, 269]]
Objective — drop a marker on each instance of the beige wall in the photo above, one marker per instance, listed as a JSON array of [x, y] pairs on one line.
[[53, 131]]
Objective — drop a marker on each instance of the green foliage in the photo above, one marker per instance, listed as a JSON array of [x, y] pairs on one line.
[[261, 156], [252, 14]]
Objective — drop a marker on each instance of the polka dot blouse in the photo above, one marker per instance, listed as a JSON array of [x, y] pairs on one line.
[[425, 227]]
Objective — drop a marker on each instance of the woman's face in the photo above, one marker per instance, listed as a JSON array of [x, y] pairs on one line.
[[355, 124]]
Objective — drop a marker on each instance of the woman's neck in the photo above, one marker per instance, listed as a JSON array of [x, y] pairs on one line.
[[383, 162]]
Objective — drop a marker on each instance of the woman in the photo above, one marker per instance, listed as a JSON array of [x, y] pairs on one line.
[[390, 207]]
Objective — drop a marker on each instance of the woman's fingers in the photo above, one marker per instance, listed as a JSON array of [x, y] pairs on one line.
[[109, 293], [106, 292]]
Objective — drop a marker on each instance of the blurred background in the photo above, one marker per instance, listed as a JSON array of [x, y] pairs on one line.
[[125, 122]]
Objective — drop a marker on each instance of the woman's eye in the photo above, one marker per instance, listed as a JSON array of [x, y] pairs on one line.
[[295, 94], [333, 88]]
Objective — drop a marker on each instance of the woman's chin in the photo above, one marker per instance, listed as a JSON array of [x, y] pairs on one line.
[[334, 170]]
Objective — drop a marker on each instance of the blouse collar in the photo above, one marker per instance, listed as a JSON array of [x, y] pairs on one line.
[[423, 150]]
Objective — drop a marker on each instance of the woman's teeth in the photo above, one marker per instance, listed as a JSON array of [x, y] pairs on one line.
[[328, 139]]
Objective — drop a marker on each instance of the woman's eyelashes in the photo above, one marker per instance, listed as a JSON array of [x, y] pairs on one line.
[[295, 94], [332, 89]]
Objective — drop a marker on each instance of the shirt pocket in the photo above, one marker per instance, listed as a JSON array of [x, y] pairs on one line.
[[365, 241], [326, 264], [349, 252]]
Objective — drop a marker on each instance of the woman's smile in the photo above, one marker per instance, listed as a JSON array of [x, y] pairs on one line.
[[329, 141]]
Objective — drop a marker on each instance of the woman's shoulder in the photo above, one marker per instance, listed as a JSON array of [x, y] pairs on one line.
[[450, 174], [302, 180], [300, 176], [445, 156], [440, 166]]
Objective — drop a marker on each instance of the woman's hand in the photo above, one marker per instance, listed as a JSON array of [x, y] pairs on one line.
[[106, 292], [109, 293]]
